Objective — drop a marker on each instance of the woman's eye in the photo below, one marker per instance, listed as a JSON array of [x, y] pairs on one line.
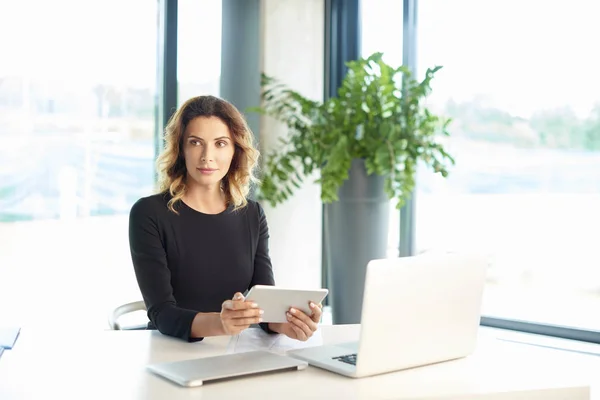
[[195, 142], [221, 143]]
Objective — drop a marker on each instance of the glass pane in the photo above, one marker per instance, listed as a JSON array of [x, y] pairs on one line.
[[526, 138], [199, 48], [381, 25], [77, 104]]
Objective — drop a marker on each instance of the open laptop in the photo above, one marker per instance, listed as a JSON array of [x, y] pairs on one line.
[[416, 311]]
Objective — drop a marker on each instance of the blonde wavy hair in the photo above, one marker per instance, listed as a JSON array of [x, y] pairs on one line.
[[171, 162]]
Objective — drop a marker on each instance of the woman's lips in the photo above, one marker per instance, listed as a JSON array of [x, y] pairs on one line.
[[206, 171]]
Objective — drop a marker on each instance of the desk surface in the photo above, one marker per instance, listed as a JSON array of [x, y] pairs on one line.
[[111, 364]]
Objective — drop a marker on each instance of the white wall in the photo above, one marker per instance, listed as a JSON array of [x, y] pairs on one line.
[[293, 51], [57, 273]]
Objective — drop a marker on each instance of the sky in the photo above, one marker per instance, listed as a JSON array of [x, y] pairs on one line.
[[521, 55]]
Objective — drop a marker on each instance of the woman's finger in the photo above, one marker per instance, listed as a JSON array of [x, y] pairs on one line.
[[246, 321], [300, 324], [249, 313], [238, 305], [317, 312], [238, 297], [312, 326], [300, 335]]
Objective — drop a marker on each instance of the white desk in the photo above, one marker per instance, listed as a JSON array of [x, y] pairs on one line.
[[111, 365]]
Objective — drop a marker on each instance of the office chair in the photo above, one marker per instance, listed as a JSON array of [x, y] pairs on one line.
[[114, 316]]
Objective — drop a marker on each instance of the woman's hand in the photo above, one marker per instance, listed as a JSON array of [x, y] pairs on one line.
[[238, 314], [300, 326]]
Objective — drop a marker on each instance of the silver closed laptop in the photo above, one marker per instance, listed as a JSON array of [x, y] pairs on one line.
[[198, 371]]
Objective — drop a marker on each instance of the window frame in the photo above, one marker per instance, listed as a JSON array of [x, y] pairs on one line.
[[343, 21]]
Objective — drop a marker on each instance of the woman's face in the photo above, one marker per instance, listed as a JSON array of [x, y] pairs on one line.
[[208, 149]]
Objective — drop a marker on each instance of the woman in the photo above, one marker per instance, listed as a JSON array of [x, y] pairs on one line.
[[200, 243]]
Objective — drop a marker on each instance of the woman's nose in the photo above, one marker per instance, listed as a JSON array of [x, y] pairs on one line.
[[206, 154]]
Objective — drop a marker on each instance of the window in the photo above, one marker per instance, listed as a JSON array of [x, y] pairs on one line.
[[519, 81], [381, 31], [198, 48], [77, 104]]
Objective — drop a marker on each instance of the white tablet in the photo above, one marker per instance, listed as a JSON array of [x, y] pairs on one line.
[[276, 301]]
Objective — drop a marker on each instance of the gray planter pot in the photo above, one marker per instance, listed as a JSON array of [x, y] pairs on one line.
[[356, 230]]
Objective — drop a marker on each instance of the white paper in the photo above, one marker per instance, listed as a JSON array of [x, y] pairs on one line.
[[253, 339]]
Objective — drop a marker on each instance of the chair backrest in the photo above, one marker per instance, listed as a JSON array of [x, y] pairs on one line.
[[113, 318]]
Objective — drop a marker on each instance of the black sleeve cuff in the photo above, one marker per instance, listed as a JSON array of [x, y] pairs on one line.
[[265, 327]]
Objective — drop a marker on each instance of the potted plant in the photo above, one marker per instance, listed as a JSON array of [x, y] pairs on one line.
[[365, 144]]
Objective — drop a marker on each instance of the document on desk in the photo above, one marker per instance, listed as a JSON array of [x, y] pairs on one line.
[[8, 336], [256, 339]]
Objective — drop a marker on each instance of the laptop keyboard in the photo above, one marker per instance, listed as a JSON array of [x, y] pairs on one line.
[[348, 359]]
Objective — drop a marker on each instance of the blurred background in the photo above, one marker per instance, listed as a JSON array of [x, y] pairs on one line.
[[79, 103]]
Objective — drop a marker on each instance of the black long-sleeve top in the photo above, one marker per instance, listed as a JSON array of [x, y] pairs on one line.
[[193, 262]]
